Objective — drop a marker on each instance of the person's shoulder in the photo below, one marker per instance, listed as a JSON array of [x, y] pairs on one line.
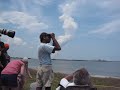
[[45, 45], [42, 44]]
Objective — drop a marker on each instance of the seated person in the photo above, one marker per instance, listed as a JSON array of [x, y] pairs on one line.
[[79, 77], [9, 74]]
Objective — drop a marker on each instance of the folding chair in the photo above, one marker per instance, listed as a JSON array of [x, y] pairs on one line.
[[80, 87]]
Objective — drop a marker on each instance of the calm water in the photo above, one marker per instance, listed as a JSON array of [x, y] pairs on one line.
[[95, 68]]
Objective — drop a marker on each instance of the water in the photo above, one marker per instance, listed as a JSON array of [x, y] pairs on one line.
[[111, 69]]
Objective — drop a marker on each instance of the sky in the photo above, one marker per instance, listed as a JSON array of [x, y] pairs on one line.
[[85, 29]]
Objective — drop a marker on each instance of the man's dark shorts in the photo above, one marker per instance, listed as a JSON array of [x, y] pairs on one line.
[[9, 80]]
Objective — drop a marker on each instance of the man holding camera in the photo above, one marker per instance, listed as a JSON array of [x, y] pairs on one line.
[[1, 56], [45, 73], [4, 57]]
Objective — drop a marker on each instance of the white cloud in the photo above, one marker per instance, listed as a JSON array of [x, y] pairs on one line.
[[27, 6], [98, 12], [2, 20], [95, 8], [109, 4], [14, 41], [42, 2], [23, 20], [108, 28]]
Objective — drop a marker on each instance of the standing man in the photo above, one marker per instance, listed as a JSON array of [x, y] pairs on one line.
[[45, 73]]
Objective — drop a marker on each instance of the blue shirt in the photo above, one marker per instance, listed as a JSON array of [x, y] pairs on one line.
[[44, 52]]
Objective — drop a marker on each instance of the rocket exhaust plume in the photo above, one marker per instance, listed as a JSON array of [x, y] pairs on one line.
[[69, 25]]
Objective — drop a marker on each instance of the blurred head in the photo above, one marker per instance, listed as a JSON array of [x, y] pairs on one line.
[[45, 38], [81, 77], [25, 60], [6, 46]]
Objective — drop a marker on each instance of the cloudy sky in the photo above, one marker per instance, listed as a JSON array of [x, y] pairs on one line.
[[85, 29]]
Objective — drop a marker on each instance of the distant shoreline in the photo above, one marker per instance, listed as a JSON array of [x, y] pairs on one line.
[[99, 60], [100, 76], [85, 60]]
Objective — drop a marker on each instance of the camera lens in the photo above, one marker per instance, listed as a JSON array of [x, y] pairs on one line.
[[9, 33]]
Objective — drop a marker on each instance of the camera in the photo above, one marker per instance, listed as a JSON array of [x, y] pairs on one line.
[[9, 33]]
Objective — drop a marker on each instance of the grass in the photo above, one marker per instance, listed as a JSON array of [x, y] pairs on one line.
[[100, 83]]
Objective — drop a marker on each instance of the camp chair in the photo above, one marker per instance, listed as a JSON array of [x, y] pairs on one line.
[[80, 87]]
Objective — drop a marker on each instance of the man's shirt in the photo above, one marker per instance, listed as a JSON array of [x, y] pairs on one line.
[[44, 52]]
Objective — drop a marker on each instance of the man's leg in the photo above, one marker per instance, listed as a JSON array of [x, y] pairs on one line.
[[49, 82], [39, 81]]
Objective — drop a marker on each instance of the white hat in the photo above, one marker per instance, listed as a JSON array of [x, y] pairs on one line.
[[25, 58]]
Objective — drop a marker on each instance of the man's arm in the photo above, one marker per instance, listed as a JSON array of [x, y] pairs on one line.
[[27, 71], [69, 77], [66, 80], [55, 43], [22, 70]]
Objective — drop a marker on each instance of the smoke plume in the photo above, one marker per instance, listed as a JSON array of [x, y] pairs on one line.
[[69, 24]]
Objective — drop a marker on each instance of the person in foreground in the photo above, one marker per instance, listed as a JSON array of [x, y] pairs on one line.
[[1, 56], [9, 75], [79, 77], [4, 57], [7, 57], [44, 74]]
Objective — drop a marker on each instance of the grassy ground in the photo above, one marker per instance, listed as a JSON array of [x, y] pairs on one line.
[[100, 83]]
